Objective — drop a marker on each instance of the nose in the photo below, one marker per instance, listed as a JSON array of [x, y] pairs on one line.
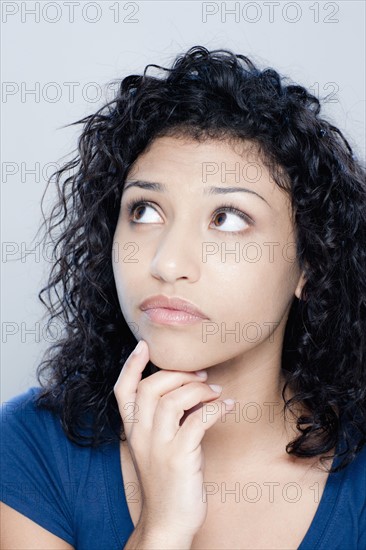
[[177, 255]]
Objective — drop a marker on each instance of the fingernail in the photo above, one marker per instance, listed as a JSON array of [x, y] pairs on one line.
[[229, 401], [139, 347], [216, 388], [201, 373]]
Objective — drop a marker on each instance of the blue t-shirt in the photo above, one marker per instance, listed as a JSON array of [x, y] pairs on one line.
[[78, 494]]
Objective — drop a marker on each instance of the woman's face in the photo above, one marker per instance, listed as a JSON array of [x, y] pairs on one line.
[[183, 245]]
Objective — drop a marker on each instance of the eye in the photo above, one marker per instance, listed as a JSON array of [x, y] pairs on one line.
[[136, 206], [229, 211]]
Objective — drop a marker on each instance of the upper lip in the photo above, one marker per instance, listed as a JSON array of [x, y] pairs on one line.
[[178, 304]]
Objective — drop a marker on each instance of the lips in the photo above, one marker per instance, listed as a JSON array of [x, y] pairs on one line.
[[177, 304]]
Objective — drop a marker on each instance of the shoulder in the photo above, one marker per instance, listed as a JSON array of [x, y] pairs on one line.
[[352, 490], [355, 472], [25, 424], [21, 402], [70, 490], [35, 464], [34, 446], [33, 437]]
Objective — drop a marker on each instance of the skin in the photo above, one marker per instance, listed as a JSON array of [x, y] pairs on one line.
[[254, 296]]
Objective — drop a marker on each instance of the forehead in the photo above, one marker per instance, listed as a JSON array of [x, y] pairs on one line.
[[191, 154], [185, 165]]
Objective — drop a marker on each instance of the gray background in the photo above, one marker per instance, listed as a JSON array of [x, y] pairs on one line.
[[318, 44]]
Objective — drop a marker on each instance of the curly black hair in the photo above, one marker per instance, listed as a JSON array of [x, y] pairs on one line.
[[212, 94]]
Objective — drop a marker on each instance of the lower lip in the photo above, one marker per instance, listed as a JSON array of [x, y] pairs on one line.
[[167, 316]]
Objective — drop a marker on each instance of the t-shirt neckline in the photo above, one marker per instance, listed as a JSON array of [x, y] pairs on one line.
[[324, 511], [312, 537]]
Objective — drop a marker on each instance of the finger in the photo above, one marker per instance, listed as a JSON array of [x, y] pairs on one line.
[[125, 389], [191, 433], [172, 406], [135, 395], [153, 388]]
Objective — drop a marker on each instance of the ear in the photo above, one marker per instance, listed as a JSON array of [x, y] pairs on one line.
[[299, 287]]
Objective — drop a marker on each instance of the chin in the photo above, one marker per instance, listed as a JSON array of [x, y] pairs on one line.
[[171, 358]]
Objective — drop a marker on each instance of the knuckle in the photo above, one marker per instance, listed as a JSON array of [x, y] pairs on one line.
[[144, 386], [194, 421], [117, 390], [134, 440], [167, 400]]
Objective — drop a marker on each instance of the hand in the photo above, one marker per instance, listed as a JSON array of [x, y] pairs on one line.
[[165, 442]]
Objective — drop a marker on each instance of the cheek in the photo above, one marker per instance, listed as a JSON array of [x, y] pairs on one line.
[[123, 273], [256, 292]]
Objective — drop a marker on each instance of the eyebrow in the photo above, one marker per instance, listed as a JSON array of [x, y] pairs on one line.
[[161, 187]]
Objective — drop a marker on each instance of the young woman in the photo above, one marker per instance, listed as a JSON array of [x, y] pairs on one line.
[[216, 219]]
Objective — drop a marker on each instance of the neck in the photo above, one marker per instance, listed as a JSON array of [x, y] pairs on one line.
[[257, 422]]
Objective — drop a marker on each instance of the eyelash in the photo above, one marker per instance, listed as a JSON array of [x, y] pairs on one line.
[[227, 207]]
